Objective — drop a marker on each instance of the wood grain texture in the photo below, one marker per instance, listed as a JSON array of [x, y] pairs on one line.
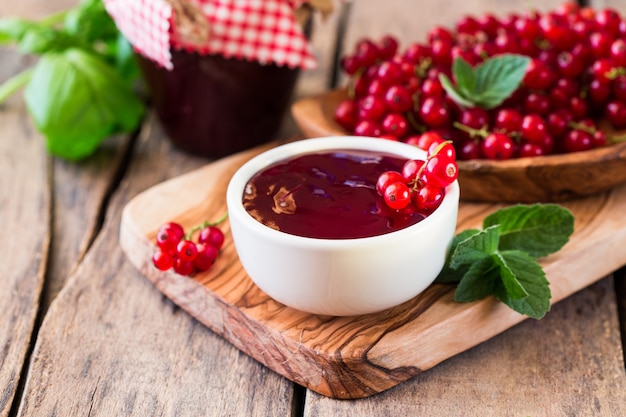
[[524, 180], [112, 345], [356, 356], [25, 208], [564, 365]]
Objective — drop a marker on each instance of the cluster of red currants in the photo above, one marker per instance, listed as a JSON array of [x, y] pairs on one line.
[[176, 249], [576, 77], [422, 183]]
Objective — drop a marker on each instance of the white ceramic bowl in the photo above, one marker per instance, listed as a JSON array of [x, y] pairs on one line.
[[346, 276]]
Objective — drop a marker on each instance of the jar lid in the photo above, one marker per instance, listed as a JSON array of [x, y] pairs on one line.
[[265, 31]]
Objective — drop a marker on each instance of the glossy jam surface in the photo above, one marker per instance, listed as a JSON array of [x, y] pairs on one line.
[[326, 195]]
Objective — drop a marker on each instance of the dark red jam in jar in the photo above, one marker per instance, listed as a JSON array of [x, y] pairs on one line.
[[212, 106], [327, 195]]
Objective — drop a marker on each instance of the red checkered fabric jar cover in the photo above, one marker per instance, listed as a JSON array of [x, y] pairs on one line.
[[265, 31]]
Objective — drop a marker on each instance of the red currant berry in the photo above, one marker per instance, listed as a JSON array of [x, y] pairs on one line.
[[615, 113], [434, 112], [394, 124], [508, 120], [183, 267], [367, 128], [429, 197], [387, 178], [618, 52], [619, 88], [162, 260], [426, 139], [397, 195], [207, 254], [440, 171], [371, 108], [186, 250], [398, 99], [577, 140], [444, 150], [387, 47], [533, 128], [411, 169], [169, 235], [497, 146], [211, 235], [530, 150], [346, 114]]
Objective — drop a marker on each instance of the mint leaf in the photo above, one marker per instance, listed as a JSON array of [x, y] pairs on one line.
[[497, 78], [513, 287], [478, 282], [456, 95], [465, 76], [476, 247], [531, 277], [77, 100], [448, 274], [499, 260], [539, 229], [488, 84]]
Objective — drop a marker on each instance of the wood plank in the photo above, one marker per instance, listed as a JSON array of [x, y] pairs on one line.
[[111, 344], [25, 208], [566, 364], [366, 354]]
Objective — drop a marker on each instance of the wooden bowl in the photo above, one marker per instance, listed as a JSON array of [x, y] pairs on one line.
[[523, 180]]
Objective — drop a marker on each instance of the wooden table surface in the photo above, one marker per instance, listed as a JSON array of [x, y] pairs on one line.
[[82, 332]]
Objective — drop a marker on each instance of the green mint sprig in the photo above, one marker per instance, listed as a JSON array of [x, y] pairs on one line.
[[80, 92], [501, 258], [488, 84]]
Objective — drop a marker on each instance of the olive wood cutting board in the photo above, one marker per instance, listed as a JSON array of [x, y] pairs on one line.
[[350, 357]]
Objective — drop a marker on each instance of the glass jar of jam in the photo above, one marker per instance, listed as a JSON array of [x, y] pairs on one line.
[[213, 106]]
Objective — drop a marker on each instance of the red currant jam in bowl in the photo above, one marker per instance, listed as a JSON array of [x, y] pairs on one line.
[[313, 232], [327, 195]]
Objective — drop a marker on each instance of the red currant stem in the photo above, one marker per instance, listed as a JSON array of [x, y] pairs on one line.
[[204, 224], [352, 82], [583, 127], [422, 68], [617, 138], [483, 132], [615, 72], [423, 167], [415, 123]]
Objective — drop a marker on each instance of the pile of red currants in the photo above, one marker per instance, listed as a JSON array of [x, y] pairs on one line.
[[576, 76], [176, 249], [421, 184]]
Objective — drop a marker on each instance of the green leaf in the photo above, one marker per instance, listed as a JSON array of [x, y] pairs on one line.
[[532, 278], [12, 30], [476, 247], [465, 76], [448, 274], [488, 84], [40, 40], [513, 287], [454, 93], [77, 100], [538, 229], [478, 282]]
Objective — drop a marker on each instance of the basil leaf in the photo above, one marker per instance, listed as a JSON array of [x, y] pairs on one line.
[[538, 229], [478, 282], [497, 78], [532, 278], [12, 30], [76, 100], [476, 247]]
